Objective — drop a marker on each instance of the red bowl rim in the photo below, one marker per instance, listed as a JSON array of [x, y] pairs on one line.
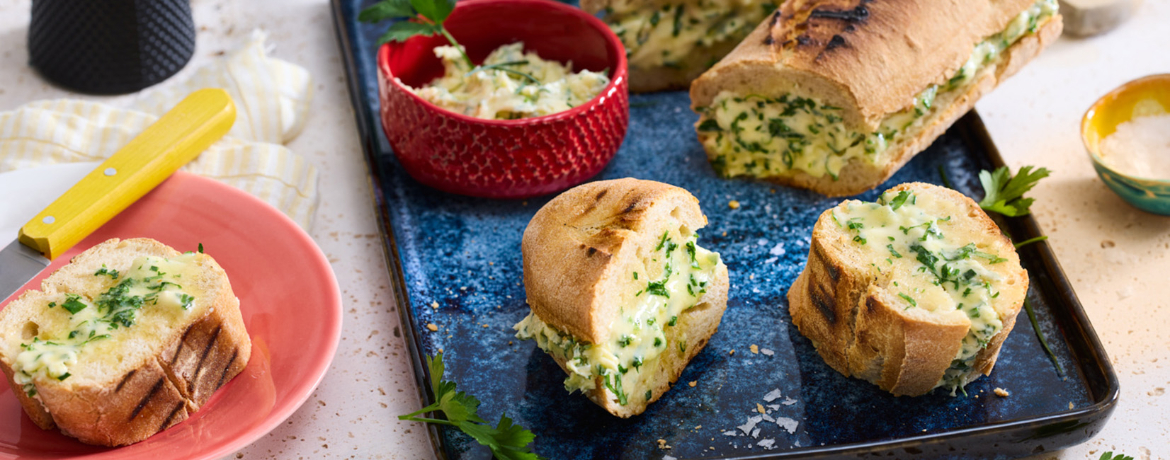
[[619, 74]]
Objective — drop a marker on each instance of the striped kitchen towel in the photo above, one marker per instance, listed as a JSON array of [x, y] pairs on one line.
[[251, 158]]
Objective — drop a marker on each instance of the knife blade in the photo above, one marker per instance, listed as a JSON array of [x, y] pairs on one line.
[[179, 136]]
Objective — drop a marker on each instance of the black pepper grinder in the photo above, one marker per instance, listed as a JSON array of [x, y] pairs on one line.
[[110, 46]]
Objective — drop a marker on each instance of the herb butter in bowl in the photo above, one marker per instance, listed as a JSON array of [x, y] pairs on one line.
[[532, 108], [509, 85], [1127, 134]]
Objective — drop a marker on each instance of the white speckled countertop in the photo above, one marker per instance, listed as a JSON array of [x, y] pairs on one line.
[[1116, 256]]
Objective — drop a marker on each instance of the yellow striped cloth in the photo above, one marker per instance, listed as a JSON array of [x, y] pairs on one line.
[[272, 103]]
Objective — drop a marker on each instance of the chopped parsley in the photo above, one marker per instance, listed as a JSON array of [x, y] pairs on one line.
[[73, 303], [113, 274]]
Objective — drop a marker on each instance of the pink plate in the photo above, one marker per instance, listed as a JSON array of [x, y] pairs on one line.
[[290, 303]]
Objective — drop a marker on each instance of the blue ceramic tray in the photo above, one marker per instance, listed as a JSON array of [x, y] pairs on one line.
[[463, 255]]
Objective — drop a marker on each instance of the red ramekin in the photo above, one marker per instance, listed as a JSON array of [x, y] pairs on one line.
[[505, 158]]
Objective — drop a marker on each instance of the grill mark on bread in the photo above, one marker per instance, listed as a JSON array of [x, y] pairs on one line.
[[171, 416], [206, 351], [146, 399], [182, 340], [600, 194], [124, 380], [825, 304], [836, 42], [228, 367], [858, 14]]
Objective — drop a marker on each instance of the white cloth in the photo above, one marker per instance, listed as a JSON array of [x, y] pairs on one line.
[[272, 99]]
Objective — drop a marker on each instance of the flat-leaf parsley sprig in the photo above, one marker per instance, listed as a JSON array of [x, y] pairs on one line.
[[508, 441], [420, 17], [1005, 194]]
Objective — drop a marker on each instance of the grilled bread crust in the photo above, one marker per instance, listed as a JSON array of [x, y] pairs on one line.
[[139, 397], [577, 252], [877, 67], [860, 330]]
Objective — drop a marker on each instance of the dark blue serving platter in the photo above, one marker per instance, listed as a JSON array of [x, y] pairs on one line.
[[456, 263]]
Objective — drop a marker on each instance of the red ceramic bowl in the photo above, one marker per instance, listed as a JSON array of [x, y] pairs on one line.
[[505, 158]]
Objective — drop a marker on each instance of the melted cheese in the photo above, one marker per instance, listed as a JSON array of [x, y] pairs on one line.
[[674, 279], [665, 35], [141, 302], [758, 136], [906, 236], [503, 87]]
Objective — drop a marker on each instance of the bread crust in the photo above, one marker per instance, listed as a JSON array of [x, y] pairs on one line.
[[577, 252], [579, 244], [879, 55], [857, 327], [164, 389], [754, 67]]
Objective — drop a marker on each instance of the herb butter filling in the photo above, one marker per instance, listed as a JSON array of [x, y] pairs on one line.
[[676, 277], [510, 84], [89, 327], [666, 35], [759, 136], [926, 269]]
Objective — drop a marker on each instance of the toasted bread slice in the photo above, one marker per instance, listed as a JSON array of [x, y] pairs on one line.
[[622, 296], [868, 298], [128, 339], [836, 96]]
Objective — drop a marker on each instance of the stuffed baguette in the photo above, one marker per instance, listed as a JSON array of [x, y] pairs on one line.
[[622, 296], [670, 42], [836, 95], [914, 292]]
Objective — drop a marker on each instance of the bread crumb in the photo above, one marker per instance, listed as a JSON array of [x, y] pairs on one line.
[[733, 204], [760, 408], [509, 342], [435, 305], [755, 349], [433, 327], [692, 383], [698, 426], [732, 352], [724, 233], [662, 444], [1001, 392], [1070, 405], [772, 190], [485, 326]]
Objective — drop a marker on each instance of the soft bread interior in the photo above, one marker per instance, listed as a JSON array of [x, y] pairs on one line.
[[654, 302], [927, 289]]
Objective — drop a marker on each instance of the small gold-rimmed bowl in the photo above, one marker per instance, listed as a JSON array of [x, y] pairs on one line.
[[1142, 97]]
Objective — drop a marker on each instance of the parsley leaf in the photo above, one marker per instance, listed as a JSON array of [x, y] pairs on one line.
[[899, 200], [1110, 456], [385, 10], [1004, 194], [507, 440], [403, 30], [415, 17]]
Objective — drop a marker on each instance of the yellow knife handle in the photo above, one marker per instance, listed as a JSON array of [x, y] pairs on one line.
[[178, 137]]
